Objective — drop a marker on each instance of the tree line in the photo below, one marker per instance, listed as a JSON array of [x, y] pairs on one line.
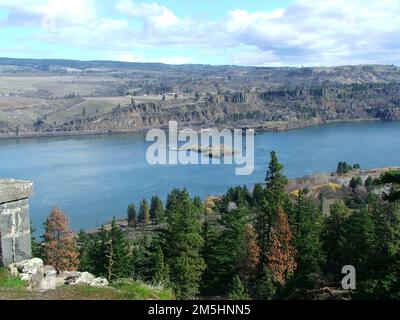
[[259, 244]]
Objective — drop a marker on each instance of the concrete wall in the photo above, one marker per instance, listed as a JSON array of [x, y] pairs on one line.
[[15, 235]]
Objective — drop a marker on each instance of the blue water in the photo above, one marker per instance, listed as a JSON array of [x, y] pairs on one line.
[[94, 178]]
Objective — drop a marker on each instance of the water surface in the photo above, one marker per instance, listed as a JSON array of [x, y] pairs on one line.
[[93, 178]]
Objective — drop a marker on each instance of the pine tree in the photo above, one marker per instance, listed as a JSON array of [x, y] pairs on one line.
[[237, 290], [257, 194], [335, 238], [307, 231], [85, 245], [199, 206], [98, 252], [161, 270], [360, 240], [36, 247], [157, 211], [230, 246], [210, 233], [266, 286], [132, 216], [392, 178], [59, 244], [183, 245], [382, 280], [281, 255], [144, 213], [117, 254], [273, 200], [369, 183]]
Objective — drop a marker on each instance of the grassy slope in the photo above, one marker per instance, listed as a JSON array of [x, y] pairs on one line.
[[12, 288]]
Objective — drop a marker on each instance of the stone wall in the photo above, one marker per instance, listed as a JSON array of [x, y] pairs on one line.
[[15, 235]]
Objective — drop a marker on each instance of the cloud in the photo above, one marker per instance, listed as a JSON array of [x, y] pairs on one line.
[[130, 57], [32, 13], [307, 32], [153, 15]]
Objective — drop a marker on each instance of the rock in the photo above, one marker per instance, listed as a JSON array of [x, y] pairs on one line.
[[69, 274], [49, 271], [84, 278], [40, 282], [70, 280], [31, 266], [99, 282], [25, 277]]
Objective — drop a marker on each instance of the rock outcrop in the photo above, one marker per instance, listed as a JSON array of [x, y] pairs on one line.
[[42, 278]]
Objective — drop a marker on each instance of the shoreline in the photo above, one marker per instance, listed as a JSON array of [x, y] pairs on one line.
[[257, 128]]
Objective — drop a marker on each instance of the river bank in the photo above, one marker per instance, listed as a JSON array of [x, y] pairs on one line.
[[274, 126]]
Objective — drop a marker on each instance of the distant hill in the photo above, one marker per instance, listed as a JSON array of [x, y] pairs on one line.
[[66, 96]]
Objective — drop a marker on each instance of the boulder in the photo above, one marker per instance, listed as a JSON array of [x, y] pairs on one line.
[[99, 282], [49, 271], [86, 278], [31, 266], [40, 282]]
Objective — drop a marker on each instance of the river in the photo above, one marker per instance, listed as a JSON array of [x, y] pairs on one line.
[[93, 178]]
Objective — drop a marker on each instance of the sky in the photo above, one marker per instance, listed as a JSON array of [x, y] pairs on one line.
[[241, 32]]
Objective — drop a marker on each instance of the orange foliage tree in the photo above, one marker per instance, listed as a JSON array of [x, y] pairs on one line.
[[59, 245], [281, 255], [249, 258]]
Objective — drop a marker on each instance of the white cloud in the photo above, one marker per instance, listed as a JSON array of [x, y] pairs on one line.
[[64, 12], [130, 57], [309, 32], [153, 15]]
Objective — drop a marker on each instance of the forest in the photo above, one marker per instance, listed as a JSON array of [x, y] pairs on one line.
[[264, 244]]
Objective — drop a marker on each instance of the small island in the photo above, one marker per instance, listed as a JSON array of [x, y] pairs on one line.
[[217, 151]]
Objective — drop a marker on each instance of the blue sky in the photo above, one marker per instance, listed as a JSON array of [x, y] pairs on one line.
[[252, 32]]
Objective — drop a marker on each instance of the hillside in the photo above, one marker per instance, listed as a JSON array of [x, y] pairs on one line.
[[63, 96]]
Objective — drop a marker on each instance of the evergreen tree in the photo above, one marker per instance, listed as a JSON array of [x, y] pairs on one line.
[[161, 270], [86, 247], [183, 245], [210, 234], [274, 199], [117, 254], [266, 286], [36, 247], [132, 216], [382, 280], [392, 178], [143, 253], [335, 238], [157, 211], [230, 246], [237, 290], [340, 168], [360, 241], [307, 230], [144, 213], [199, 206], [257, 194], [355, 182], [369, 183]]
